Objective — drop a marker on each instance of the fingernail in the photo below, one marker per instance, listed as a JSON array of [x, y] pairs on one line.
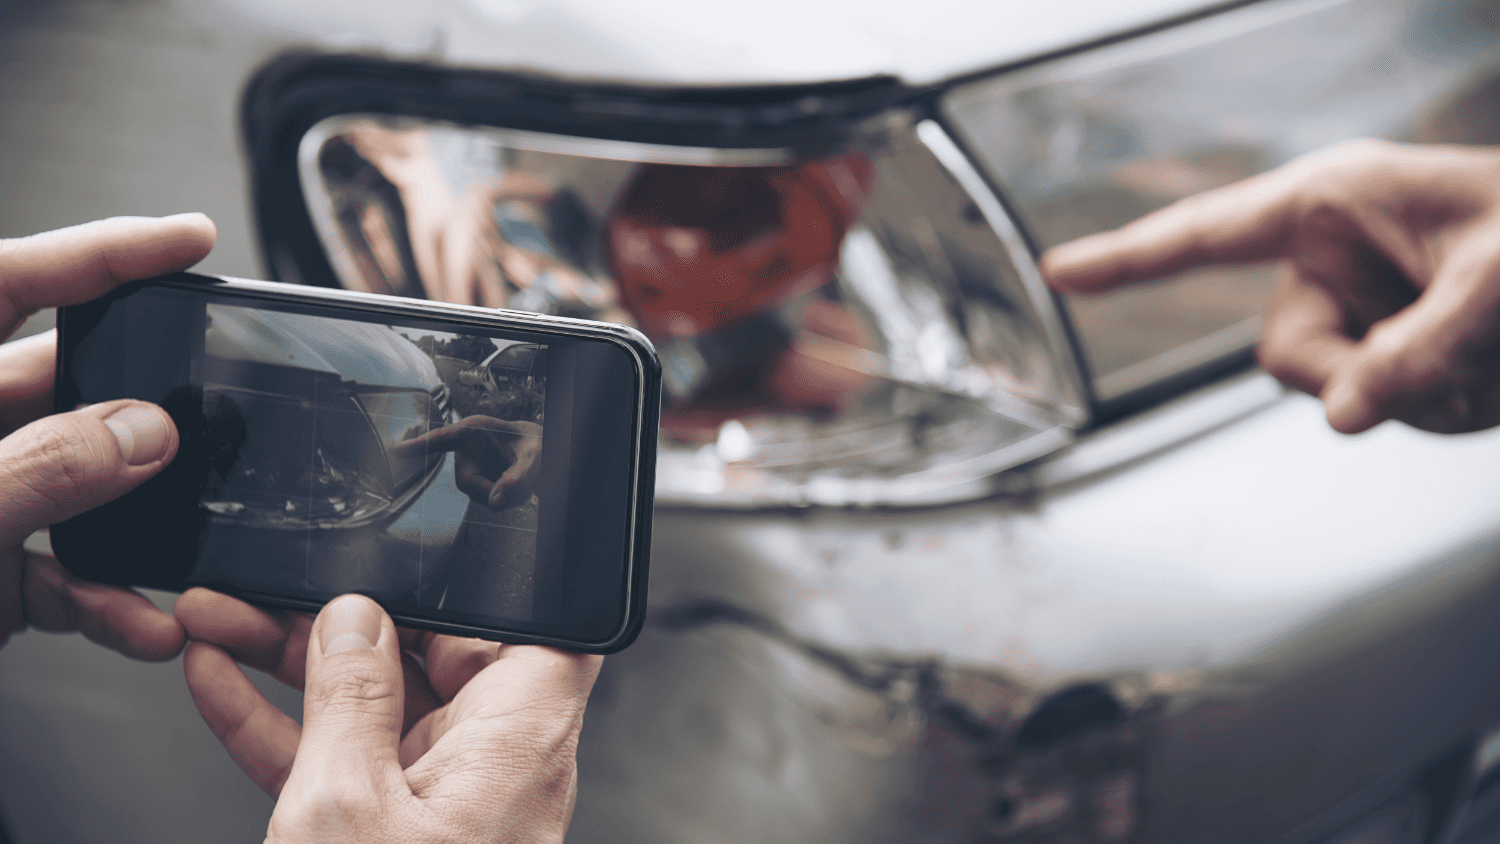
[[184, 216], [350, 623], [143, 433]]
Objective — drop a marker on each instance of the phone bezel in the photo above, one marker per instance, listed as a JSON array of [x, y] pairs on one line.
[[644, 412]]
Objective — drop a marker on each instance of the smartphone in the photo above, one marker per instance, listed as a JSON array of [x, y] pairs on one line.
[[477, 472]]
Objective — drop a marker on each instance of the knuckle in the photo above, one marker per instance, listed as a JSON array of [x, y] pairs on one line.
[[339, 798], [1323, 202], [550, 734], [1357, 155], [50, 604], [1193, 246], [1273, 358], [351, 686], [326, 809], [1396, 370], [1389, 351], [1329, 179], [1278, 351], [1365, 150], [15, 298]]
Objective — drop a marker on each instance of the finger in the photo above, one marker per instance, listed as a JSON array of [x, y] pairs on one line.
[[271, 642], [463, 254], [425, 248], [1342, 250], [1243, 222], [513, 486], [470, 480], [419, 697], [492, 428], [492, 285], [489, 284], [81, 263], [118, 619], [446, 438], [1303, 342], [1419, 365], [352, 707], [452, 662], [63, 465], [526, 707], [429, 210], [260, 738], [27, 367]]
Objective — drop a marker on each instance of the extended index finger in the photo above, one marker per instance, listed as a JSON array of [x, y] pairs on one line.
[[447, 438], [80, 263], [1239, 223]]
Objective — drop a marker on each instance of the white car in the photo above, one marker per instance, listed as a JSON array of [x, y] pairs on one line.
[[940, 557]]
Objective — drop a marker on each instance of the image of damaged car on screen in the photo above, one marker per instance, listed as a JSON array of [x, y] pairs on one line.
[[345, 452]]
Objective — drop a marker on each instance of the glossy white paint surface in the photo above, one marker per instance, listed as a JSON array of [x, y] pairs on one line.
[[686, 42], [1196, 557]]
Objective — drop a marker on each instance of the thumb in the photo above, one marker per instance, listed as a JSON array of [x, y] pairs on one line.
[[351, 716], [62, 465]]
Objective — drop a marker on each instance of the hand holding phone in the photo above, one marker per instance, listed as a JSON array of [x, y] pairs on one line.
[[487, 729], [57, 466], [479, 473]]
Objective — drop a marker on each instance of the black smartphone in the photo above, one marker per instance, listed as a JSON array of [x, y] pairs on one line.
[[477, 472]]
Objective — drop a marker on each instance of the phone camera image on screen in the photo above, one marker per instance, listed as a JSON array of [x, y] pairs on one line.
[[473, 476], [326, 433]]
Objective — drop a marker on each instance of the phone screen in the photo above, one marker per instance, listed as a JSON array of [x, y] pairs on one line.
[[457, 473]]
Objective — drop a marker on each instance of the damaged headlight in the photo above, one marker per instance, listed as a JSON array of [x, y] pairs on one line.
[[855, 323]]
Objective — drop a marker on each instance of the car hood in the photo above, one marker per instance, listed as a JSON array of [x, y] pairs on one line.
[[371, 355], [688, 43]]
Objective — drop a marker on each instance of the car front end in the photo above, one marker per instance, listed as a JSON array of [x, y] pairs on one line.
[[939, 556]]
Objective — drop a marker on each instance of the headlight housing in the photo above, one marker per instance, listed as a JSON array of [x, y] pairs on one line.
[[843, 311]]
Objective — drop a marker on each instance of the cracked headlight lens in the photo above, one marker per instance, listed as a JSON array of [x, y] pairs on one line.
[[857, 325]]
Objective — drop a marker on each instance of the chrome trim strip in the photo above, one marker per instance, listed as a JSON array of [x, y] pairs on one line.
[[1073, 404], [1181, 359], [1159, 429], [318, 202], [630, 151]]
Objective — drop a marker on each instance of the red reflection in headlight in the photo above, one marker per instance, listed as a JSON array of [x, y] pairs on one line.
[[695, 249]]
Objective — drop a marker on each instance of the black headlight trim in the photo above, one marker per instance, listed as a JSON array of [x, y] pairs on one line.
[[293, 92]]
